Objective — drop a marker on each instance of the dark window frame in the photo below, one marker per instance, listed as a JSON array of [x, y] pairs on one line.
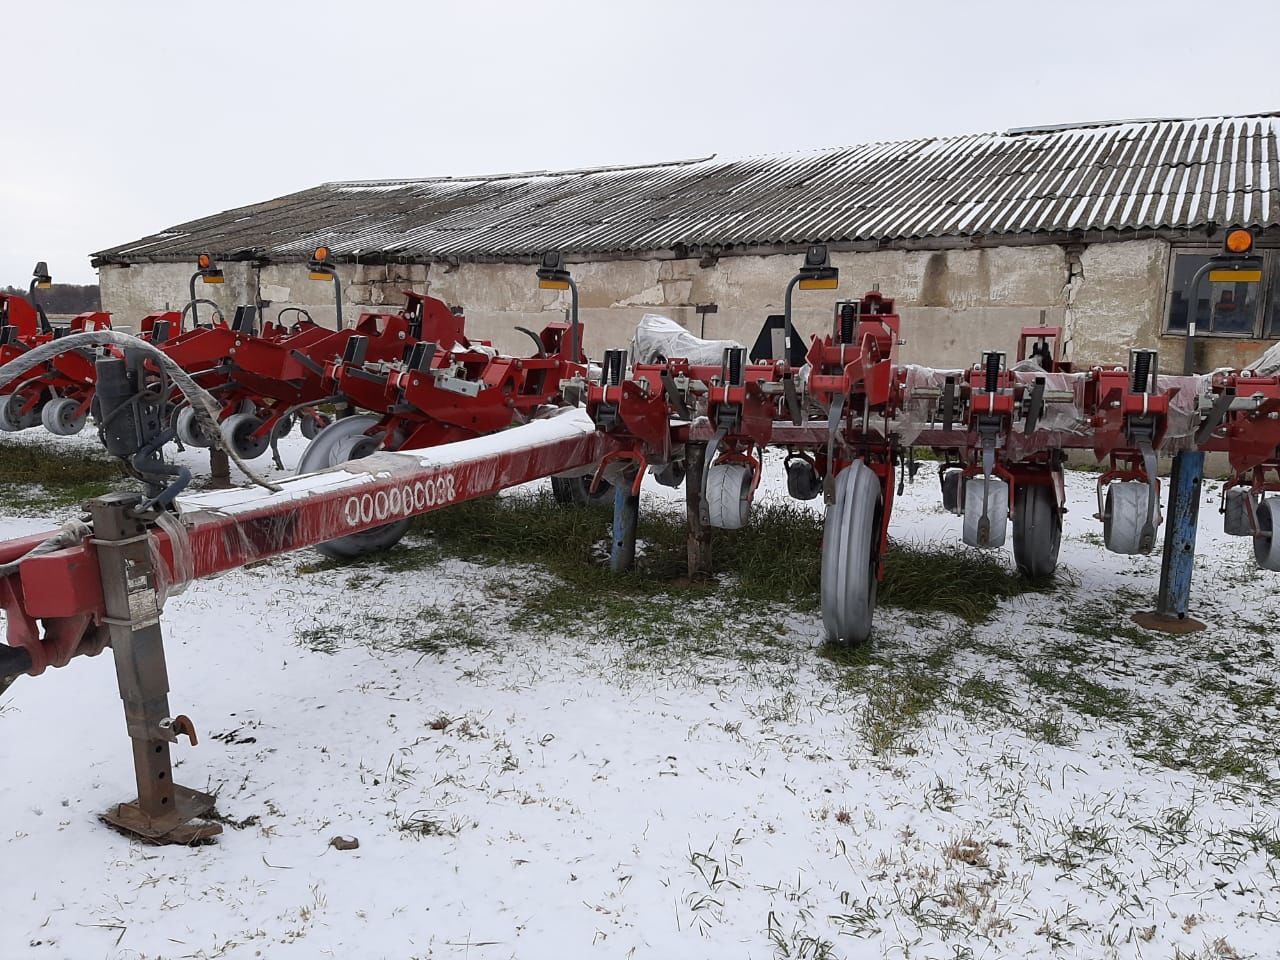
[[1268, 295]]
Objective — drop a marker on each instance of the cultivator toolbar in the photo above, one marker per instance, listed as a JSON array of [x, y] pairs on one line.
[[449, 419]]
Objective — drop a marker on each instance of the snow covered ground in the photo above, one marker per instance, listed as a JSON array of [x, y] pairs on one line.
[[1053, 783]]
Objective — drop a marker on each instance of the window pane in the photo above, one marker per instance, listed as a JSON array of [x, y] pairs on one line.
[[1272, 279], [1229, 309], [1235, 306], [1185, 266]]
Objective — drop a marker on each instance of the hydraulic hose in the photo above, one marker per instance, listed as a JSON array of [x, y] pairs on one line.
[[204, 407]]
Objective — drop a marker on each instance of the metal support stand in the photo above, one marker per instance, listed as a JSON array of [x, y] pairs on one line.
[[1178, 562], [163, 811], [219, 468], [699, 536], [626, 513]]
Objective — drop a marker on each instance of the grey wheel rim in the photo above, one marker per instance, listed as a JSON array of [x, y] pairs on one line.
[[850, 537], [337, 443]]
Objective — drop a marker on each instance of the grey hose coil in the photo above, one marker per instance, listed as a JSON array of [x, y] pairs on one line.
[[203, 405]]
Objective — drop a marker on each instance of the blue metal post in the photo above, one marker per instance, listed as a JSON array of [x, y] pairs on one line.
[[1180, 534], [626, 513]]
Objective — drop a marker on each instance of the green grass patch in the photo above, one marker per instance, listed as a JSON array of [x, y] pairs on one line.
[[775, 560], [428, 630], [44, 476]]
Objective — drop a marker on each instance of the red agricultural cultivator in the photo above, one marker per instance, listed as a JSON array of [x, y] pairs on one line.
[[59, 393], [449, 419]]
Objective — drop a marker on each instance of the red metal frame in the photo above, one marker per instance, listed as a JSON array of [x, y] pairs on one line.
[[53, 603]]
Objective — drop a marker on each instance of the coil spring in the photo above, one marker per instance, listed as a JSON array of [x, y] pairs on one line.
[[613, 367], [733, 365], [848, 316], [992, 363], [1141, 370]]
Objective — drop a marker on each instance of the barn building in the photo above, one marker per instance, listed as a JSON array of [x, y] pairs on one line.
[[1095, 226]]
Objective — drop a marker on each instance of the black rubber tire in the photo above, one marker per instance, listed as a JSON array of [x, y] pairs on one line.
[[59, 417], [952, 481], [188, 429], [1037, 531], [1266, 545], [576, 491], [11, 421], [339, 442], [238, 432], [803, 482], [1123, 517]]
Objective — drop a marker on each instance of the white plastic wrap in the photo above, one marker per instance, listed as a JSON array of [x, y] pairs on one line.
[[1060, 415], [658, 338], [1064, 414], [919, 412], [1267, 365], [1187, 397]]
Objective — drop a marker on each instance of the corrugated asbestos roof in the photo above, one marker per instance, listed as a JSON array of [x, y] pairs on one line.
[[1131, 175]]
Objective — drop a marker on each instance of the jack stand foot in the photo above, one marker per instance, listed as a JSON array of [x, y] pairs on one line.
[[1167, 622], [181, 826]]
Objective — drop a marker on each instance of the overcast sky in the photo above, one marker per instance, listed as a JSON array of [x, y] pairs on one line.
[[125, 118]]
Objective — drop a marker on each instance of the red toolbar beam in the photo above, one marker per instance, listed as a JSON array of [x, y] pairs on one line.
[[230, 528]]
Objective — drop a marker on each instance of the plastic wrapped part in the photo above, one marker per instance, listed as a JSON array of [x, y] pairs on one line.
[[1187, 397], [1063, 420], [1060, 415], [1267, 365], [660, 338], [922, 390], [174, 577]]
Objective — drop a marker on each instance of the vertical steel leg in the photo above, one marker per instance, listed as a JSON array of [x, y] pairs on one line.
[[219, 468], [626, 514], [1178, 562], [699, 538], [163, 810]]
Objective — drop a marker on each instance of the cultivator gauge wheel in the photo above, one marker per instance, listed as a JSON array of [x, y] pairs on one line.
[[12, 419], [670, 474], [850, 541], [60, 417], [189, 430], [312, 423], [803, 482], [238, 430], [1037, 531], [337, 443], [1235, 521], [728, 495], [952, 481], [986, 512], [1124, 518], [1266, 545], [576, 491]]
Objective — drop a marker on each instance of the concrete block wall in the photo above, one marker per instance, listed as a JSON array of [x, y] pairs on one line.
[[954, 303]]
